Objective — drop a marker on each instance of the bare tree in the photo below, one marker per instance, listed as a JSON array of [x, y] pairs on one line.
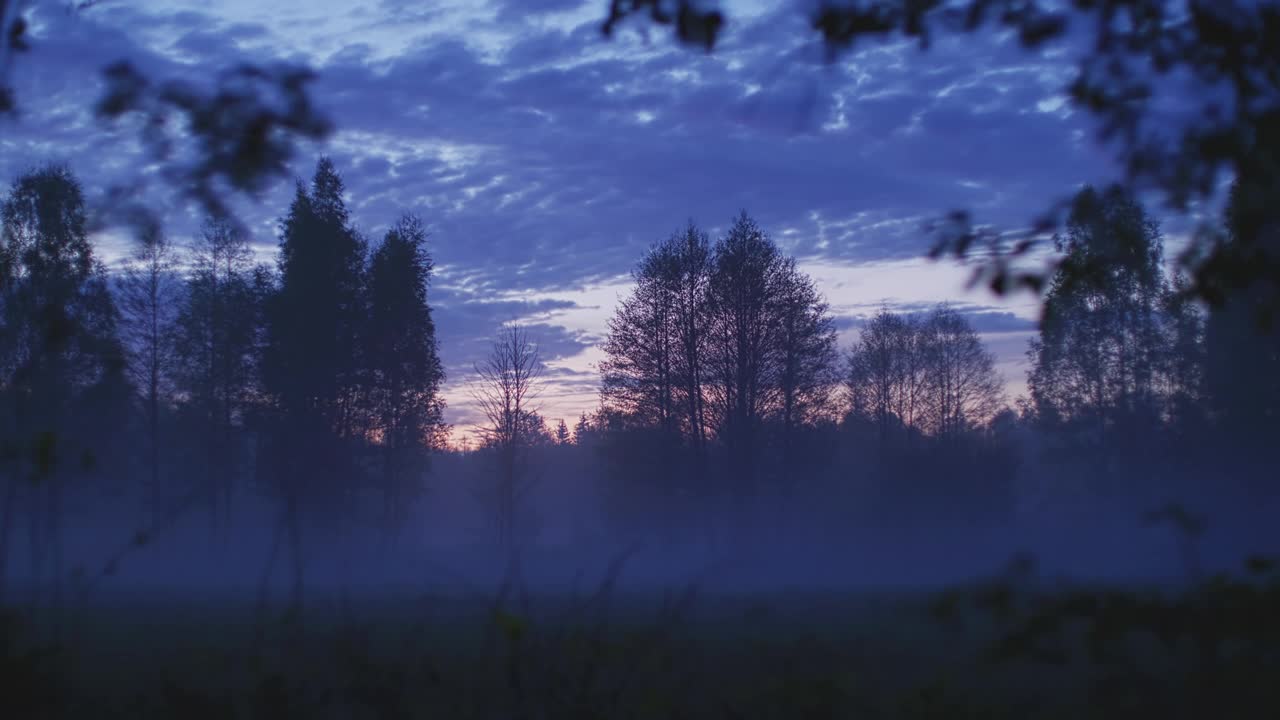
[[507, 383], [930, 375], [692, 260], [148, 298], [881, 377], [215, 335], [963, 388]]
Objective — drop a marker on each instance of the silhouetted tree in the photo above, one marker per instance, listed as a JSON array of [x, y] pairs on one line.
[[1183, 373], [59, 352], [403, 369], [320, 308], [747, 279], [654, 373], [149, 294], [216, 343], [1242, 334], [689, 262], [727, 342], [311, 359], [507, 383], [963, 389], [562, 433], [923, 396], [1094, 367], [922, 376], [807, 359], [885, 376], [581, 430], [638, 372]]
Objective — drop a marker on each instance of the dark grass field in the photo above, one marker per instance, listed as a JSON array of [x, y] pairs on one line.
[[599, 654]]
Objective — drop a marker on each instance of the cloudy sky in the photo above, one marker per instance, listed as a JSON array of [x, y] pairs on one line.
[[545, 158]]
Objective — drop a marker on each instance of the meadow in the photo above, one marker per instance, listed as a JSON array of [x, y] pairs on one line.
[[1006, 647]]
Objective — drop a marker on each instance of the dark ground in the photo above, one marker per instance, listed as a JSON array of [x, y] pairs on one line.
[[604, 653]]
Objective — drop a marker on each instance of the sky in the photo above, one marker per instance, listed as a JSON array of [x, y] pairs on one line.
[[544, 158]]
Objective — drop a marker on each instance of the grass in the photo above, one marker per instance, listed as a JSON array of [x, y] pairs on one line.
[[989, 651]]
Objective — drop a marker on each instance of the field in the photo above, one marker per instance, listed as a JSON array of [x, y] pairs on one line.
[[600, 653]]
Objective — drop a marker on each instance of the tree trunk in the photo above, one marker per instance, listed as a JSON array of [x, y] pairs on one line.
[[6, 526], [55, 541], [295, 546], [153, 402], [36, 535], [264, 582]]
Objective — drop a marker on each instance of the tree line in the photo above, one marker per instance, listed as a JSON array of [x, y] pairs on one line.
[[199, 380], [315, 382], [723, 387]]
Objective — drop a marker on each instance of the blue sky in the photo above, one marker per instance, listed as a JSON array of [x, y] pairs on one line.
[[544, 158]]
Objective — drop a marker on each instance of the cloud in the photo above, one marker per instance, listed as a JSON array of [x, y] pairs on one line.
[[985, 320], [522, 10], [990, 322], [467, 323], [558, 161]]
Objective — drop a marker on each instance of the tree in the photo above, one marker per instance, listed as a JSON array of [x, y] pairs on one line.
[[638, 373], [653, 382], [562, 433], [884, 377], [807, 353], [728, 343], [924, 392], [216, 347], [747, 273], [1094, 368], [317, 314], [581, 430], [148, 296], [690, 265], [922, 376], [1242, 334], [654, 372], [506, 385], [1183, 372], [403, 369], [311, 370], [59, 353], [962, 386]]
